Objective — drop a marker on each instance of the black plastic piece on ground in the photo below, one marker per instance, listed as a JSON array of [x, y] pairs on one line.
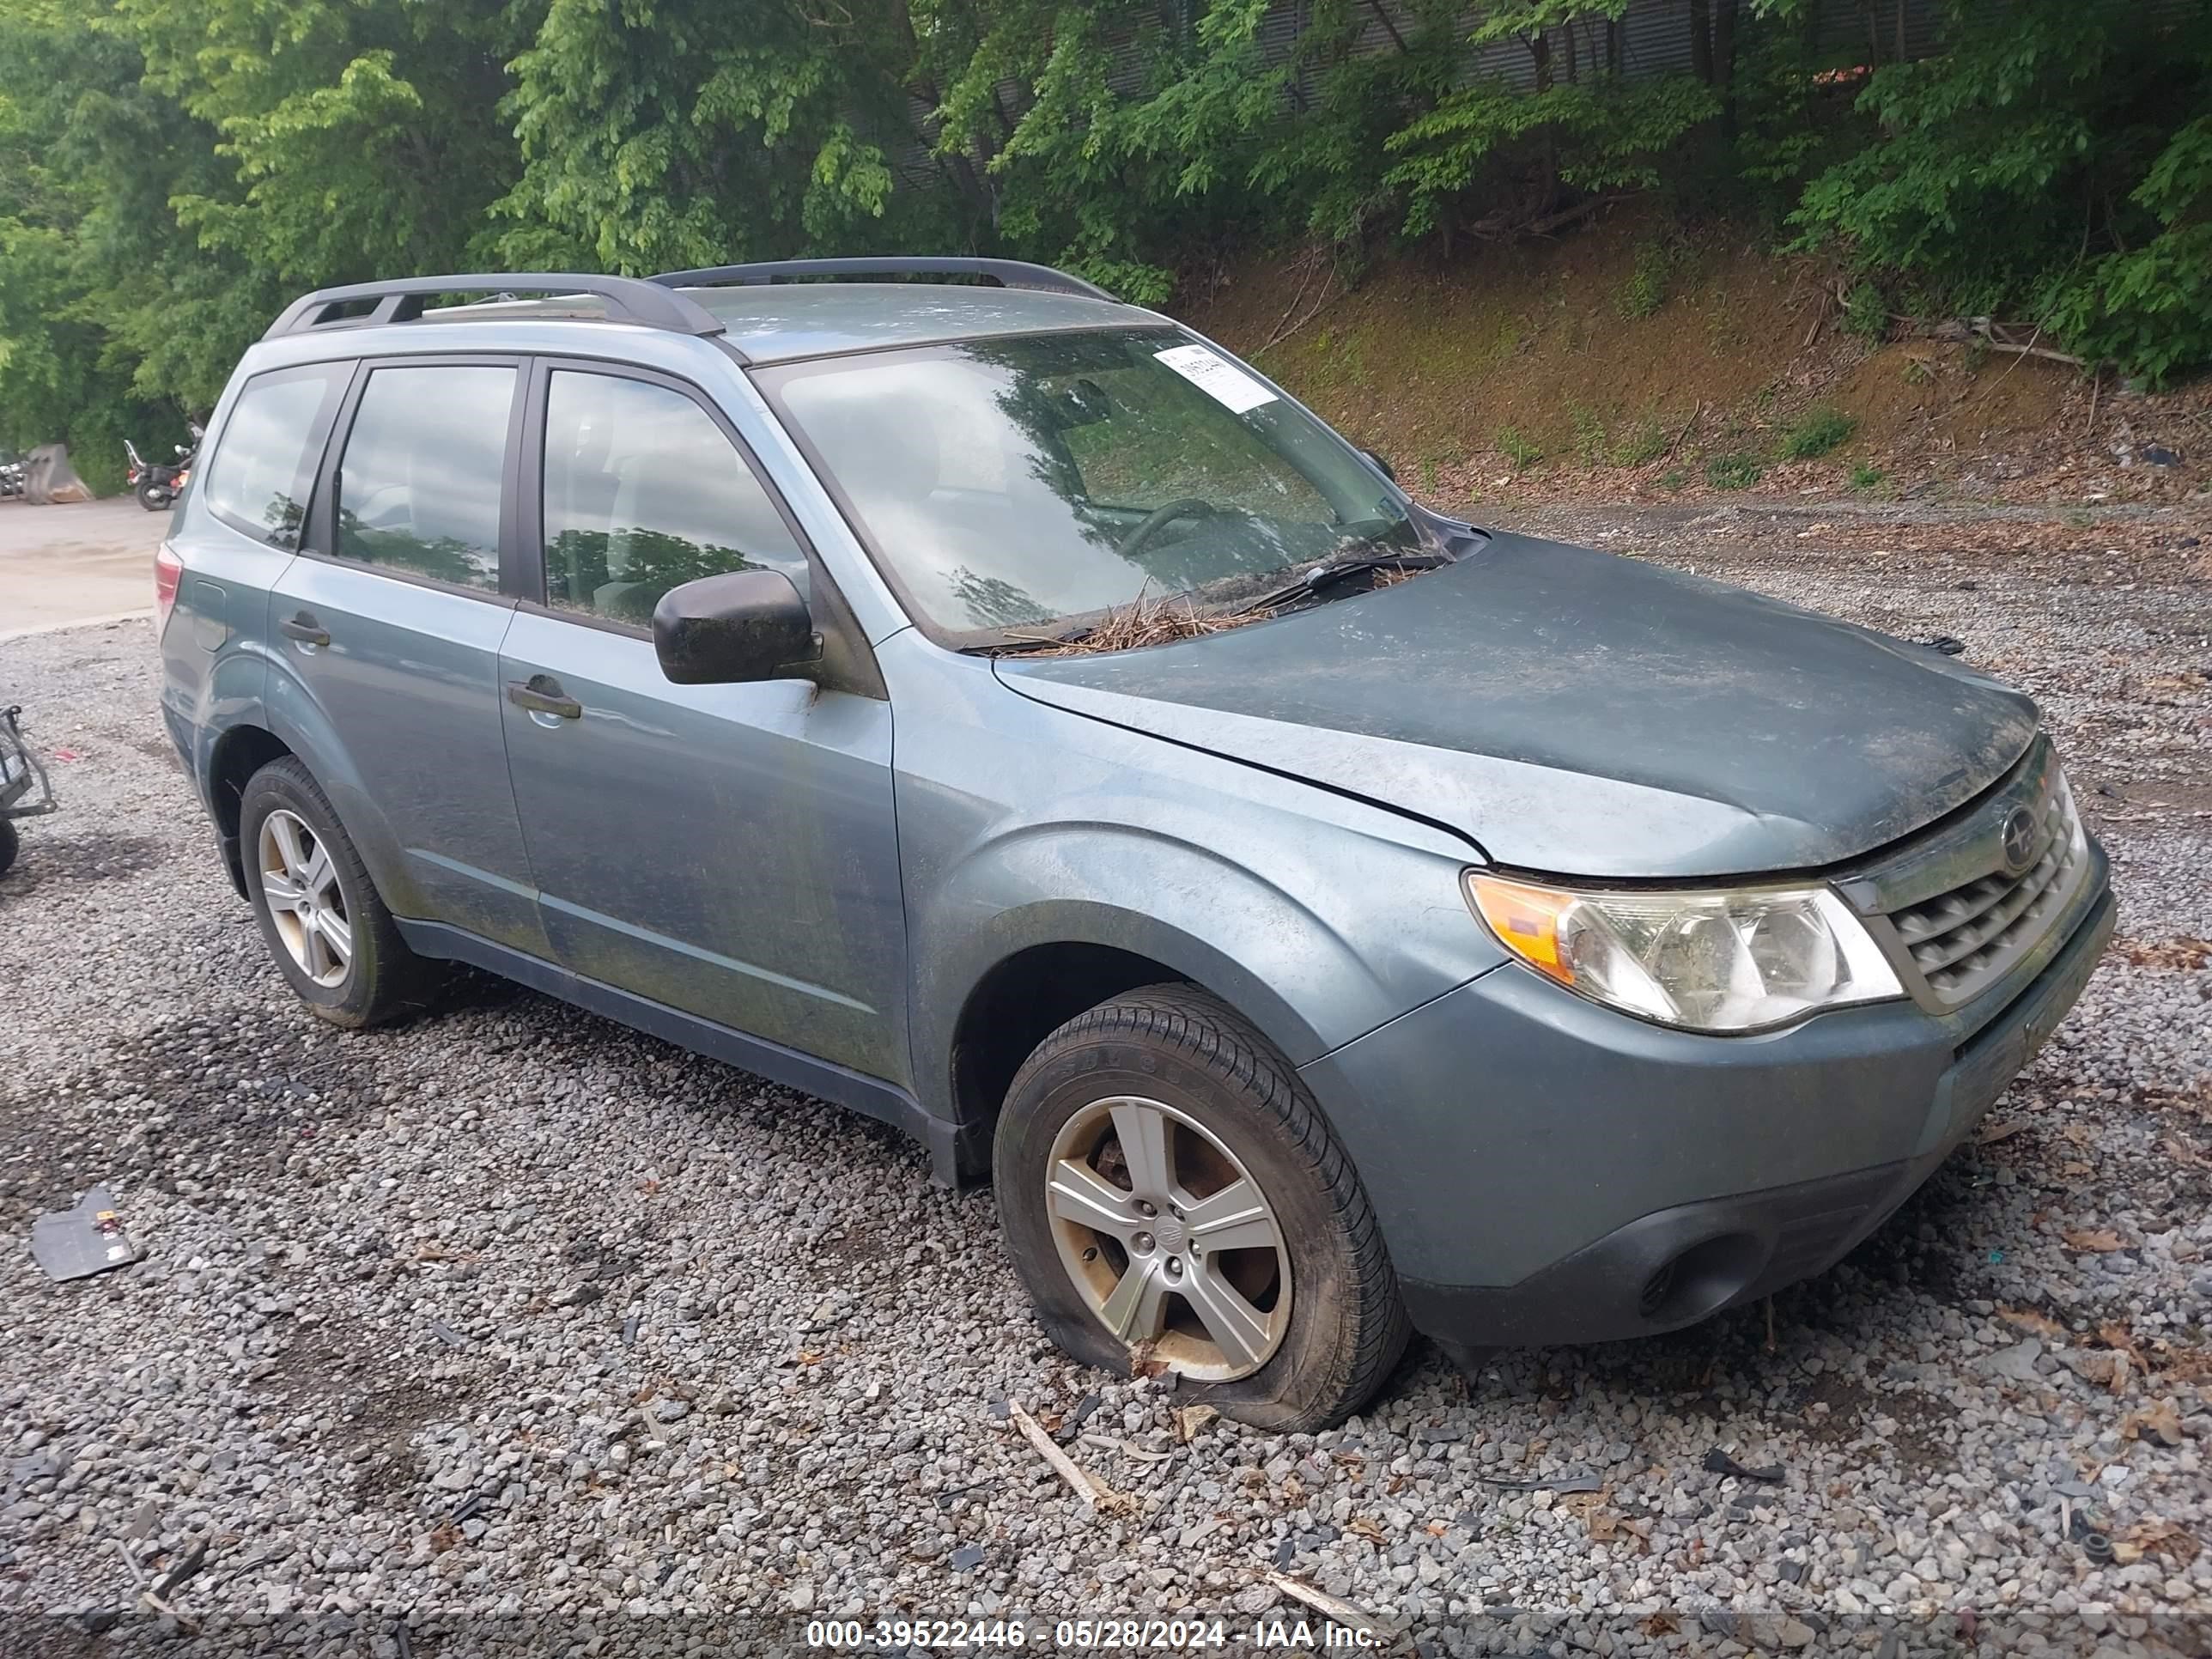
[[1719, 1462]]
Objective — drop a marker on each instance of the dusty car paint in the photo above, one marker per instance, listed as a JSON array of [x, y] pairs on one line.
[[1575, 712], [825, 884]]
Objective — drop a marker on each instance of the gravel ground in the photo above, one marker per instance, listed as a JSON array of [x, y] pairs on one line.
[[546, 1337]]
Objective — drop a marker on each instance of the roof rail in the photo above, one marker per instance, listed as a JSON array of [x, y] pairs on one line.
[[1000, 273], [628, 300]]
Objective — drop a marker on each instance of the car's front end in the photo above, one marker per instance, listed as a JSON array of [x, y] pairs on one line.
[[1557, 1167]]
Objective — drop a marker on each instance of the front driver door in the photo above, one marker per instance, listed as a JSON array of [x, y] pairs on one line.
[[724, 850]]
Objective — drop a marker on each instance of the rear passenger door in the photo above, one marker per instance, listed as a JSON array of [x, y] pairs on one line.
[[724, 850], [385, 632], [235, 531]]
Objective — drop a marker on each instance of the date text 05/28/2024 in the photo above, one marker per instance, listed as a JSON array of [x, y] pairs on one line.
[[1089, 1635]]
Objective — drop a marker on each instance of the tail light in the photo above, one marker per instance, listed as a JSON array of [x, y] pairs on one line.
[[169, 571]]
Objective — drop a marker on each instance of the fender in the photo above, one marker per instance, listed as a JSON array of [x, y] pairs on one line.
[[1290, 964], [298, 720], [232, 695]]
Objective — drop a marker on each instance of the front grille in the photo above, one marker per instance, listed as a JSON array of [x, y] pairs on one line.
[[1965, 939]]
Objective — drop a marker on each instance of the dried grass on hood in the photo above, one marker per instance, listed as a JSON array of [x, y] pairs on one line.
[[1150, 622]]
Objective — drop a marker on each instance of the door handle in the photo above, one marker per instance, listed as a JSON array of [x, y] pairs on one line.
[[541, 694], [305, 629]]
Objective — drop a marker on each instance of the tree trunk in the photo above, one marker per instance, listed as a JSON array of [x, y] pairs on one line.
[[1724, 63], [1701, 40], [1616, 46], [1383, 16]]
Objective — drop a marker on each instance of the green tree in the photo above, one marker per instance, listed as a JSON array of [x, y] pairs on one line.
[[2077, 129]]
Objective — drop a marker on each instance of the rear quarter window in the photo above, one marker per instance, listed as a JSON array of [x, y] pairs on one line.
[[263, 467]]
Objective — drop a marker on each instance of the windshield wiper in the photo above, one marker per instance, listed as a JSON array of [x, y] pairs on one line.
[[1330, 572]]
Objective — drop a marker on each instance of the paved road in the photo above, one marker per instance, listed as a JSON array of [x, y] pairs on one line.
[[87, 562]]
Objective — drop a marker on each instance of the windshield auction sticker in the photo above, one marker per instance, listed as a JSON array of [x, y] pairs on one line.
[[1221, 381]]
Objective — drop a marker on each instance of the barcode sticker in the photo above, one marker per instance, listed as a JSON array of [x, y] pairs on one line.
[[1221, 379]]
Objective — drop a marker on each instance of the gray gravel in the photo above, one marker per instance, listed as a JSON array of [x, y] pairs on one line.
[[511, 1313]]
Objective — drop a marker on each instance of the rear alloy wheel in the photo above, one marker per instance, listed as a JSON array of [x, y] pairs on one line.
[[1174, 1202], [300, 890], [327, 928]]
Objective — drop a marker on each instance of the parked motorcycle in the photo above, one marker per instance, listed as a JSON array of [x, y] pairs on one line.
[[156, 485], [13, 480]]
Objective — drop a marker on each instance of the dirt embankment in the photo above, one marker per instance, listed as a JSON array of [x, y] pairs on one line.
[[1635, 359]]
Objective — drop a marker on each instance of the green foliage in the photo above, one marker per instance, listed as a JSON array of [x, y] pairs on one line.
[[1519, 450], [1645, 441], [2150, 308], [1591, 440], [2053, 157], [1736, 470], [1819, 431], [1672, 478], [173, 171], [1865, 476], [1645, 290], [1866, 313], [1599, 136]]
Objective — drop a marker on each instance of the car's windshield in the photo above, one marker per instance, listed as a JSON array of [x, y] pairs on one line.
[[1009, 485]]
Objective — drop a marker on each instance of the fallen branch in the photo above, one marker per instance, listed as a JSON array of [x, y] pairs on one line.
[[1285, 328], [1335, 1606], [1820, 316], [2045, 352], [1684, 433], [1095, 1493], [1959, 330]]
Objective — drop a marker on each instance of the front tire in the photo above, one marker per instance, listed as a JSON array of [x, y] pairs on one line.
[[11, 843], [326, 928], [1173, 1198]]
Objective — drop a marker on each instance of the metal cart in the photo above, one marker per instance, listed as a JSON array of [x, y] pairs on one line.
[[24, 791]]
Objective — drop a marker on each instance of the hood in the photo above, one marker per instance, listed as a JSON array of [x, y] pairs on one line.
[[1580, 714]]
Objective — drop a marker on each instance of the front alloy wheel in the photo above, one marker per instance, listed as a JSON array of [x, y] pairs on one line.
[[1167, 1239], [1166, 1183], [300, 890]]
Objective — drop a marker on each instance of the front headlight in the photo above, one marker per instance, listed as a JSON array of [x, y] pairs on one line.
[[1737, 960]]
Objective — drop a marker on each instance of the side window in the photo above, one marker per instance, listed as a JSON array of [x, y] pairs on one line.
[[258, 479], [419, 481], [643, 493]]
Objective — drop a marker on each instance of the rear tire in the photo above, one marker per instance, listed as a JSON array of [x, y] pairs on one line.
[[1316, 1323], [11, 843], [325, 927], [152, 497]]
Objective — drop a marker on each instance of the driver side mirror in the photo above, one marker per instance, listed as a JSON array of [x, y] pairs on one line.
[[1382, 466], [738, 627]]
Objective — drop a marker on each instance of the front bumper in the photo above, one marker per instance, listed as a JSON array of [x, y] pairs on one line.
[[1547, 1170]]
